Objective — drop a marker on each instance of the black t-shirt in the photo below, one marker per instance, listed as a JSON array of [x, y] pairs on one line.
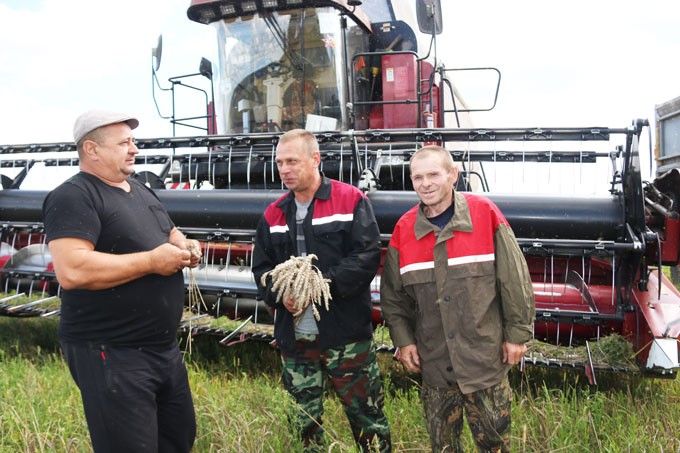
[[143, 312]]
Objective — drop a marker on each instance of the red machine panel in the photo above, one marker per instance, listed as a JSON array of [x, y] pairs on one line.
[[399, 83]]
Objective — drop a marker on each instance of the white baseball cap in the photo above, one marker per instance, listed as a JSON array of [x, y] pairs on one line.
[[94, 119]]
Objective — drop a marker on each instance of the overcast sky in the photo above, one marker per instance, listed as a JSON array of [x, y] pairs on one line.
[[576, 63]]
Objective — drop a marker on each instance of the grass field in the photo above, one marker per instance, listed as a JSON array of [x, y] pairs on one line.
[[241, 405]]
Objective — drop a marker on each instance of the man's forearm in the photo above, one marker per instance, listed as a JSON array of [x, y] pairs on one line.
[[96, 270]]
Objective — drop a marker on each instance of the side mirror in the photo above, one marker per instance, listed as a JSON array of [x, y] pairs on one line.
[[205, 68], [156, 54], [429, 14]]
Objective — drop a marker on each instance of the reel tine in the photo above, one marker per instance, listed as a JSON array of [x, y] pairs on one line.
[[31, 304], [234, 332], [11, 298]]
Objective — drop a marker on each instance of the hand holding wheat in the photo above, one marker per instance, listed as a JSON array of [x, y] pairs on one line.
[[299, 279], [195, 249], [196, 301]]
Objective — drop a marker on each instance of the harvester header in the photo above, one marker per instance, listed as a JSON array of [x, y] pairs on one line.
[[367, 79]]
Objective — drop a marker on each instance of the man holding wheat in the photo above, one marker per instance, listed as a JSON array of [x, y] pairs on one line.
[[333, 223]]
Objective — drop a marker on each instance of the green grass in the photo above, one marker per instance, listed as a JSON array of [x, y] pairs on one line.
[[631, 417], [241, 405]]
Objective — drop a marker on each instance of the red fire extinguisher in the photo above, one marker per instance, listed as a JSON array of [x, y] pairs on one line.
[[429, 123], [428, 118]]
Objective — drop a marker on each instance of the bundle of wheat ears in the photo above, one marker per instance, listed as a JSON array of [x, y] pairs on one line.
[[196, 302], [299, 279]]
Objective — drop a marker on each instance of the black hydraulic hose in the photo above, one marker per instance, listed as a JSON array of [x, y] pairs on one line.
[[453, 97]]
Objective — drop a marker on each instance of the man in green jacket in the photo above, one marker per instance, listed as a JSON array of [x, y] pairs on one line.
[[457, 297]]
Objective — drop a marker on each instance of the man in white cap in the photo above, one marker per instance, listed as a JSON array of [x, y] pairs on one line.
[[119, 259]]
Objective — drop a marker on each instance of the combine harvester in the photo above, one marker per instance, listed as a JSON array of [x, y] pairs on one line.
[[367, 78]]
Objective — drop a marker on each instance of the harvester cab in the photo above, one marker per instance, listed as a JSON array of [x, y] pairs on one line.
[[367, 79], [326, 66], [323, 65]]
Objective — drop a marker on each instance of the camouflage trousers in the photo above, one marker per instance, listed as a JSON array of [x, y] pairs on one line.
[[487, 412], [352, 371]]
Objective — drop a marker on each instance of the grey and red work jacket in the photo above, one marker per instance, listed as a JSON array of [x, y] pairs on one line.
[[457, 293], [340, 229]]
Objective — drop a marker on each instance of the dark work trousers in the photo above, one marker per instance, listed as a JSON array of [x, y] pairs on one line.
[[135, 399]]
